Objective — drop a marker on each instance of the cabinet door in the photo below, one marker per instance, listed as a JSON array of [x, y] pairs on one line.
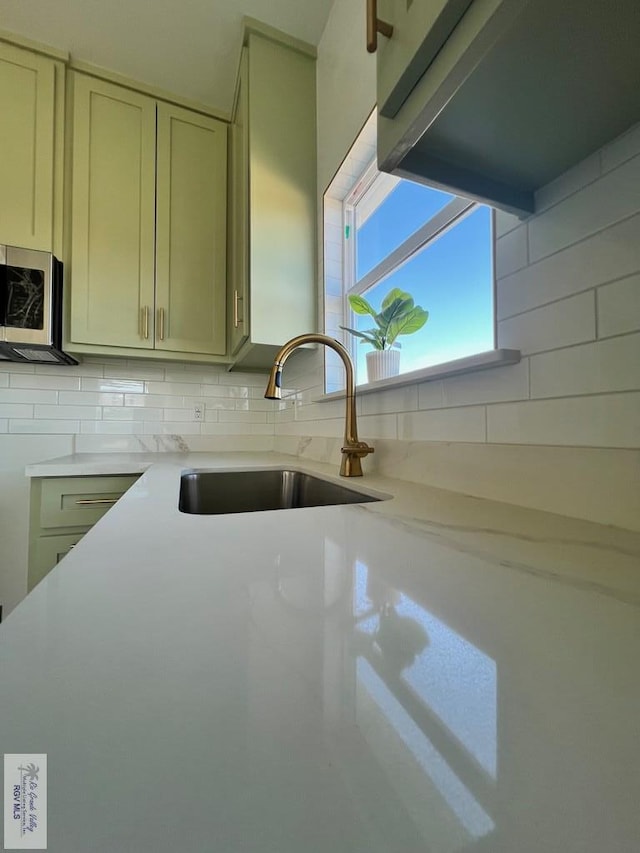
[[420, 28], [27, 93], [191, 232], [113, 211], [282, 192], [48, 551], [238, 318]]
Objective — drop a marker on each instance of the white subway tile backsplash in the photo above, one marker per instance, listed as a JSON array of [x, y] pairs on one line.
[[248, 379], [236, 429], [190, 373], [431, 395], [610, 255], [93, 413], [621, 149], [505, 222], [235, 391], [132, 413], [569, 321], [226, 416], [119, 386], [162, 401], [16, 410], [177, 389], [488, 386], [51, 427], [215, 403], [584, 173], [330, 428], [60, 381], [178, 415], [257, 404], [15, 367], [19, 395], [614, 197], [142, 404], [83, 369], [136, 371], [463, 424], [607, 420], [101, 443], [392, 400], [320, 411], [618, 306], [377, 426], [171, 428], [511, 252], [110, 427], [89, 398], [281, 416], [609, 365]]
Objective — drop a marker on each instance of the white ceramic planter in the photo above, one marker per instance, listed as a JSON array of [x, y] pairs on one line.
[[381, 364]]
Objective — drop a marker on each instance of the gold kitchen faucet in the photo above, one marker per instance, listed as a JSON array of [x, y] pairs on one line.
[[352, 449]]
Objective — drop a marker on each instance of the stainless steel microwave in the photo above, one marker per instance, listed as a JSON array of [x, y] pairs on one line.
[[31, 307]]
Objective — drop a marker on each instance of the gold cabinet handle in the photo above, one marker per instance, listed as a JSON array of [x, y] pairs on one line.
[[236, 319], [94, 501], [375, 26], [161, 324], [144, 318]]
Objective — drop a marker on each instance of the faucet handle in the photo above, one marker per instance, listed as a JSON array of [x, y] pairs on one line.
[[357, 449], [352, 453]]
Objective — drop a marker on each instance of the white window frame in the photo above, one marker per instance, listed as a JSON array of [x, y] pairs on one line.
[[347, 188], [444, 219]]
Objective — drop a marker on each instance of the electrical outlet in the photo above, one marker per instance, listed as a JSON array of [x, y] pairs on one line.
[[198, 410]]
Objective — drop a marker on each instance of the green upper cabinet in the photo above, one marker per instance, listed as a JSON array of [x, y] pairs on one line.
[[494, 99], [420, 28], [238, 251], [148, 225], [191, 232], [28, 88], [273, 276], [113, 212]]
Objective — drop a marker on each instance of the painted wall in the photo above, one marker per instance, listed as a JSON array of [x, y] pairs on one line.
[[559, 431], [112, 405]]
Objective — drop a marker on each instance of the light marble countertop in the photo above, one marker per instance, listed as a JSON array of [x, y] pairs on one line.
[[432, 673]]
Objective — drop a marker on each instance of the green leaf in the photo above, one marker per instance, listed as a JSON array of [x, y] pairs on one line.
[[394, 293], [373, 337], [407, 324], [368, 336], [360, 305], [394, 311]]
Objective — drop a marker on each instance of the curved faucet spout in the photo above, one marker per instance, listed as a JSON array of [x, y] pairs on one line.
[[353, 450]]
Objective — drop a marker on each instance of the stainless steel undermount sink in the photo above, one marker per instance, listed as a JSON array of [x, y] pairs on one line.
[[217, 492]]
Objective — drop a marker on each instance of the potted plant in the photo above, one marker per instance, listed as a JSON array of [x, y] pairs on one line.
[[398, 315]]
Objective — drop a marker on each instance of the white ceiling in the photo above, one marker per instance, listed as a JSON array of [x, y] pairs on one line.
[[189, 47]]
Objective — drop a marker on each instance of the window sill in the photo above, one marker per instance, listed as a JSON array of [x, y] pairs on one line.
[[470, 364]]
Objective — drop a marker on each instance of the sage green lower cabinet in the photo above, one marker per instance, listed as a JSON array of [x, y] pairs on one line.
[[62, 510]]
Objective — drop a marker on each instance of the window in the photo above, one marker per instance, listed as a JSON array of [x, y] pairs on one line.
[[383, 232]]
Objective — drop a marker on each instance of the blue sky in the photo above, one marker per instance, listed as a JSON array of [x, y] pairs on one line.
[[452, 277]]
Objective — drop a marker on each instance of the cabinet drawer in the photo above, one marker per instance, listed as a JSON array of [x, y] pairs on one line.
[[48, 551], [80, 501]]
